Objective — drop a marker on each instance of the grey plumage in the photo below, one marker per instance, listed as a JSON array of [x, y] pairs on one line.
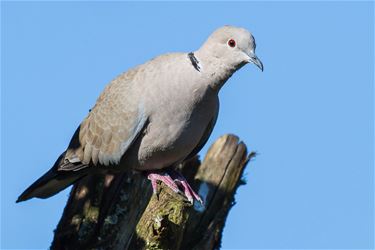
[[154, 115]]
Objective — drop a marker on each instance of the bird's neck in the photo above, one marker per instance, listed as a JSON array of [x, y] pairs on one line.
[[213, 69]]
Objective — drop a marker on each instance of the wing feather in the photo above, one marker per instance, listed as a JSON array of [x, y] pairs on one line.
[[110, 128]]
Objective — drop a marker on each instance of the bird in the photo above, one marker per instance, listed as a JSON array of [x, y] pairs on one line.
[[153, 117]]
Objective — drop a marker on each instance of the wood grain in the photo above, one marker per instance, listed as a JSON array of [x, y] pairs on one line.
[[120, 212]]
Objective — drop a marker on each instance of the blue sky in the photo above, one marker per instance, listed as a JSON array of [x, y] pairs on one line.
[[309, 115]]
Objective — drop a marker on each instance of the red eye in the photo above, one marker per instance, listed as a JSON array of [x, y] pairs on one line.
[[231, 43]]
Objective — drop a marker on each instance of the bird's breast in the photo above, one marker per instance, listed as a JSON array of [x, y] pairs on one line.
[[176, 127]]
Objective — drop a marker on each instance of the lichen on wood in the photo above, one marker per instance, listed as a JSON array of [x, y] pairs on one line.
[[163, 222], [120, 212]]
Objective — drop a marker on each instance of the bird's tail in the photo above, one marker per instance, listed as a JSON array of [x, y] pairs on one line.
[[52, 182]]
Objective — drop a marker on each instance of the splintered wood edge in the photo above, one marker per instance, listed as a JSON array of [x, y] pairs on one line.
[[222, 167], [219, 177]]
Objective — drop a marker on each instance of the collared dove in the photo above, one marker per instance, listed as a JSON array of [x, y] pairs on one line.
[[153, 116]]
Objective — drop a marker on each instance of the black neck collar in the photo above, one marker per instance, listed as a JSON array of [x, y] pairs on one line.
[[194, 61]]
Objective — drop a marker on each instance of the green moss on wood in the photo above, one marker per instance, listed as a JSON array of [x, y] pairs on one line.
[[160, 229]]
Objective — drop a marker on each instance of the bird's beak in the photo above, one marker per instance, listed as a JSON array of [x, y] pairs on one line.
[[255, 60]]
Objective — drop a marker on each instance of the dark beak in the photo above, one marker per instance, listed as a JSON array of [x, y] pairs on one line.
[[255, 60]]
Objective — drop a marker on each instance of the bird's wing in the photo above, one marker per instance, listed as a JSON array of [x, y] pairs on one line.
[[110, 128], [204, 138]]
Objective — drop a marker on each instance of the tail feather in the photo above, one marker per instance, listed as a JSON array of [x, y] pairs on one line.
[[51, 182]]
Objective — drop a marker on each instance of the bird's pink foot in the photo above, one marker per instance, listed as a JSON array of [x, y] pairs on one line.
[[178, 180], [163, 177]]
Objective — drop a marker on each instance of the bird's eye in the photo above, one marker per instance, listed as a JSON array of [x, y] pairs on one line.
[[231, 43]]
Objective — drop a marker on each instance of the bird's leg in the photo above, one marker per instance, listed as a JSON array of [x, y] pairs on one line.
[[188, 190], [166, 178]]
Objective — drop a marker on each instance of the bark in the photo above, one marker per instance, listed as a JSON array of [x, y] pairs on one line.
[[120, 212]]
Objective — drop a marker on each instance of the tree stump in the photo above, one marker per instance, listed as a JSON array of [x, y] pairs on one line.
[[120, 212]]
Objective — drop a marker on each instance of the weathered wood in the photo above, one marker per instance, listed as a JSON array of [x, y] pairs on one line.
[[99, 208], [219, 177], [118, 212]]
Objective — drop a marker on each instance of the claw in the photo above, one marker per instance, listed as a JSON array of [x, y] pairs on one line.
[[188, 192]]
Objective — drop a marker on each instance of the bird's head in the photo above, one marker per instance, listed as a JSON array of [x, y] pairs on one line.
[[233, 45]]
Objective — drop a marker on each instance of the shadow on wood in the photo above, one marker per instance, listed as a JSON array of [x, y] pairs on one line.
[[119, 212]]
